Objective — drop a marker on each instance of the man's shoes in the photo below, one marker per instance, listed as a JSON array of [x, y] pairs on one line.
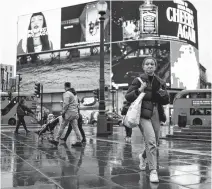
[[37, 132], [153, 177], [143, 163], [16, 132], [54, 142], [83, 140], [77, 144]]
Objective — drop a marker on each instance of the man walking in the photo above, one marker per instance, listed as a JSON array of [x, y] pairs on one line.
[[21, 112], [69, 115]]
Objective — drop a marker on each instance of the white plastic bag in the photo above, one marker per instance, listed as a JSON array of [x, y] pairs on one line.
[[132, 117]]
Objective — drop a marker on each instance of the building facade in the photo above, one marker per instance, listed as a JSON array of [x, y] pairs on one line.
[[203, 79], [7, 72]]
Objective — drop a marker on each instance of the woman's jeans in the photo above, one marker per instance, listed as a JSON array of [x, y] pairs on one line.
[[150, 129], [128, 131]]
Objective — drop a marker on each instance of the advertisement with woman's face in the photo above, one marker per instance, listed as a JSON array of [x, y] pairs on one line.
[[39, 32]]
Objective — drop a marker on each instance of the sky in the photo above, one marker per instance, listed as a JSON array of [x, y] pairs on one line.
[[11, 9]]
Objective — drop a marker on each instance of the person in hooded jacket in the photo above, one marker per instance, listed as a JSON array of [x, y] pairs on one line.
[[21, 112], [152, 112], [80, 121], [70, 115]]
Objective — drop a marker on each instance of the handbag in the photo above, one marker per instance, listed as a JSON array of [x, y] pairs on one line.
[[132, 118]]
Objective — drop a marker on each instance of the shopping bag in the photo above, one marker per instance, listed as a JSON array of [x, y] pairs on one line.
[[132, 117]]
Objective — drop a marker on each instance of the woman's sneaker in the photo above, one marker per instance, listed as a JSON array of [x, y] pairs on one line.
[[153, 177], [127, 139], [143, 163]]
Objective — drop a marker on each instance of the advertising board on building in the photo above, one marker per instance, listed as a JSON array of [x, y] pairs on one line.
[[61, 28], [171, 20]]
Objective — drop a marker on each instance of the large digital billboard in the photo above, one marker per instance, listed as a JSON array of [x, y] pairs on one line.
[[39, 32], [172, 20], [185, 71], [82, 71], [80, 25], [61, 28], [127, 58]]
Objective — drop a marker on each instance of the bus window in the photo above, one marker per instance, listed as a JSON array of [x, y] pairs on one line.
[[197, 111], [208, 111], [208, 95], [201, 95], [193, 95], [185, 96]]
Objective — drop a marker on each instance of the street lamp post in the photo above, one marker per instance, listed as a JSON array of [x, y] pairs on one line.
[[19, 79], [102, 119], [2, 79]]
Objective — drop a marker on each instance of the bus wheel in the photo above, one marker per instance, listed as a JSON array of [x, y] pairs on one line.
[[197, 121], [12, 121]]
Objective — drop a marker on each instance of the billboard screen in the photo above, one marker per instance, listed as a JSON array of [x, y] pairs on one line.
[[39, 32], [81, 68], [183, 58], [61, 28], [127, 58], [80, 25], [133, 20]]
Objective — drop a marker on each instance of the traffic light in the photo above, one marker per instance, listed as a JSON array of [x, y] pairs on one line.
[[20, 78], [96, 94], [9, 96], [37, 90]]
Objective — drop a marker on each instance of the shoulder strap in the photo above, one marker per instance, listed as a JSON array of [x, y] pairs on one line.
[[140, 80]]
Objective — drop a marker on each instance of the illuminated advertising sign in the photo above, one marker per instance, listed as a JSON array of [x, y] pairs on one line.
[[201, 102], [184, 57], [133, 20], [39, 32], [61, 28], [127, 58], [80, 25]]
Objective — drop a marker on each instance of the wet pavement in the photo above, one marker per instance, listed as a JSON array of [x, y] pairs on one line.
[[102, 163]]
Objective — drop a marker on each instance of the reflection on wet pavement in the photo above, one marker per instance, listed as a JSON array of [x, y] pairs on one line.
[[103, 163]]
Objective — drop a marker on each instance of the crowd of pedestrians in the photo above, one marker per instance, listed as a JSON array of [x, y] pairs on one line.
[[152, 113]]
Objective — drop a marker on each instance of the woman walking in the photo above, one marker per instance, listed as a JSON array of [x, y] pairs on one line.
[[151, 114]]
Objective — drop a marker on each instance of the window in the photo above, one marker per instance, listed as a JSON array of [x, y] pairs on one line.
[[11, 74], [208, 95], [208, 111], [11, 68], [200, 111], [3, 98]]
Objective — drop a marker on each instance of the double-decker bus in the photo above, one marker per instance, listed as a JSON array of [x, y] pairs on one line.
[[192, 107], [9, 107]]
